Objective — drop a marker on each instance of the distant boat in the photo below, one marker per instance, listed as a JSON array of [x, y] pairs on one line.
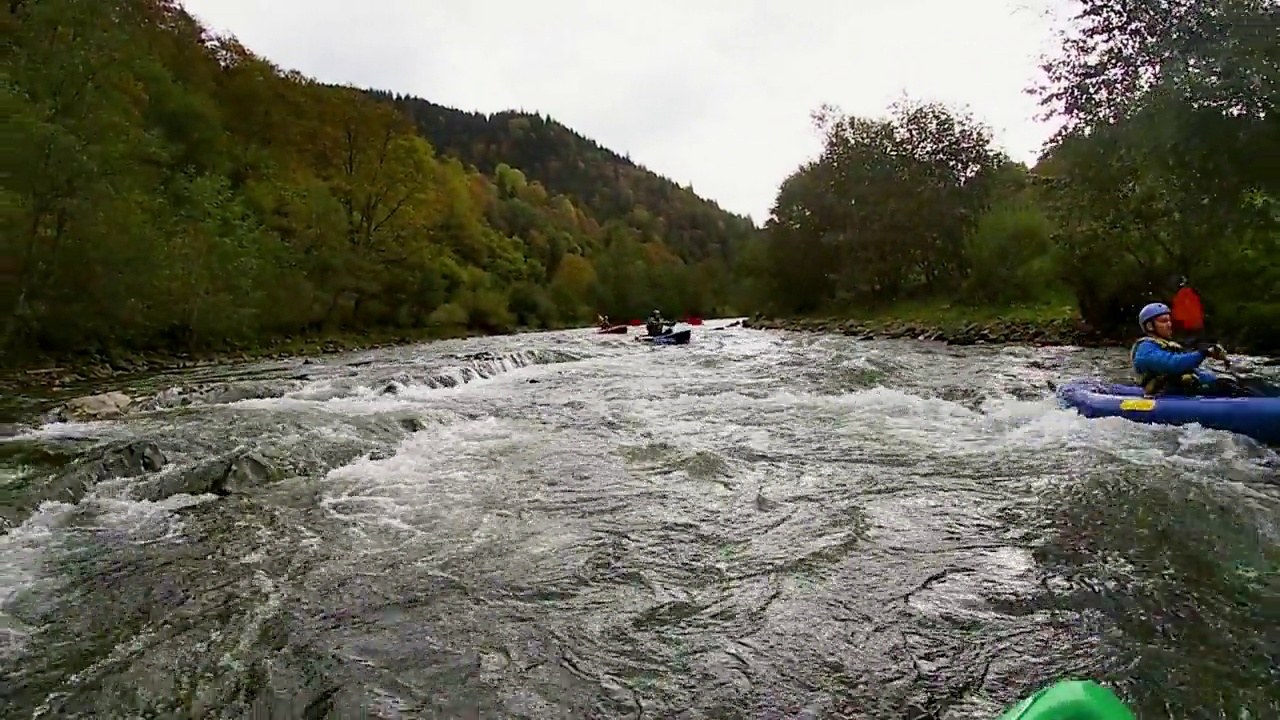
[[668, 338]]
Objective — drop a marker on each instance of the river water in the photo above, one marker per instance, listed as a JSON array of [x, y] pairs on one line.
[[568, 525]]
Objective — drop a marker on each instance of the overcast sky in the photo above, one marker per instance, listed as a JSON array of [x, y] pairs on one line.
[[712, 93]]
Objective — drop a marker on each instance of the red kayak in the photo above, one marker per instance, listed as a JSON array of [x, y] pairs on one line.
[[613, 330]]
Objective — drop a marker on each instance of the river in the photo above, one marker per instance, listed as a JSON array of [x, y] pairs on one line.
[[569, 525]]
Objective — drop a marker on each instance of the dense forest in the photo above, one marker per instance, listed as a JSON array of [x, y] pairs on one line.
[[165, 188], [168, 189], [1166, 167], [605, 184]]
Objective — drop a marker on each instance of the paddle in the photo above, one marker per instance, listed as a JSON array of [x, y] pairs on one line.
[[1187, 314], [1187, 311]]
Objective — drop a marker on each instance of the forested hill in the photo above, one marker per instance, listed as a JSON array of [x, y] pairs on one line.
[[606, 184], [171, 190]]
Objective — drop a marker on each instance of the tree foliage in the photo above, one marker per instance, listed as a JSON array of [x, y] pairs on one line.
[[1165, 167], [602, 183], [165, 188], [885, 212]]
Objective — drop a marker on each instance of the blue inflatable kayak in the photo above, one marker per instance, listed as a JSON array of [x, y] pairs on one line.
[[1256, 417], [669, 338]]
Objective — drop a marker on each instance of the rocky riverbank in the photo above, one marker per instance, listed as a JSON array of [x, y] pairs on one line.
[[95, 368], [1059, 331]]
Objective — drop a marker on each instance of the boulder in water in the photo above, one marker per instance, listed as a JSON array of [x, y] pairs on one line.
[[237, 474], [412, 424], [70, 485], [247, 472], [92, 407], [130, 460], [213, 394]]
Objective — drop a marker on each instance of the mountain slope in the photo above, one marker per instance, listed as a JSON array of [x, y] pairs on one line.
[[608, 185], [171, 190]]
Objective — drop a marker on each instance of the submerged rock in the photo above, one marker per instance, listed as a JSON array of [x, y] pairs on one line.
[[226, 476], [411, 424], [131, 460], [247, 472], [72, 483], [212, 394]]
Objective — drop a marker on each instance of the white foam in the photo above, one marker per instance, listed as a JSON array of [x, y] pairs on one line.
[[22, 551], [482, 434]]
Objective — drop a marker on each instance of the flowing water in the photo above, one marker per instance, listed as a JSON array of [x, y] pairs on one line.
[[569, 525]]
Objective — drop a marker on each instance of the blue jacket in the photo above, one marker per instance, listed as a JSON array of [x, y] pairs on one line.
[[1157, 358]]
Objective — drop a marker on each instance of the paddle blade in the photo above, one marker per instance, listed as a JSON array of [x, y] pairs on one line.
[[1187, 312]]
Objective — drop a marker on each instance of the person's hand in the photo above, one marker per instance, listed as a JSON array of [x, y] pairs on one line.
[[1215, 351]]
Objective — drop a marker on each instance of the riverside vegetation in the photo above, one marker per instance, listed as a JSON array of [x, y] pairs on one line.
[[171, 191], [167, 191]]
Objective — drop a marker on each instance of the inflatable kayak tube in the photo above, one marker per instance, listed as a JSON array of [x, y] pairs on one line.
[[670, 338], [613, 330], [1070, 700], [1255, 417]]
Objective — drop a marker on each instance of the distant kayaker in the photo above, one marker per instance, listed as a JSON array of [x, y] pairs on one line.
[[655, 325], [603, 321], [1165, 367]]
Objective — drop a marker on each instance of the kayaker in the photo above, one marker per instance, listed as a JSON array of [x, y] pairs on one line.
[[1165, 367], [655, 325], [603, 321]]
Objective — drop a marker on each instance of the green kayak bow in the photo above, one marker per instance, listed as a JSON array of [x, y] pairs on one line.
[[1070, 700]]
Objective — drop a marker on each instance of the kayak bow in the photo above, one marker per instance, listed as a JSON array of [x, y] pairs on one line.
[[1070, 700]]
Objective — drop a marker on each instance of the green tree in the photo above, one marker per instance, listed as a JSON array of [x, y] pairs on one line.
[[1169, 121]]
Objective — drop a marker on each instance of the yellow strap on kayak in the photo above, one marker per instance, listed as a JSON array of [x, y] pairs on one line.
[[1142, 404]]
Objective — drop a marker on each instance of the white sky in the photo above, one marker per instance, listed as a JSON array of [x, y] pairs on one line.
[[712, 93]]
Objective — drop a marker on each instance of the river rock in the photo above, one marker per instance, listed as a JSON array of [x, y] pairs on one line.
[[212, 394], [130, 460], [227, 476], [114, 461], [92, 407], [412, 424], [246, 472]]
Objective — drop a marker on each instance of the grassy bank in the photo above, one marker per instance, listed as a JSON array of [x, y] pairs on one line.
[[946, 314], [1049, 322]]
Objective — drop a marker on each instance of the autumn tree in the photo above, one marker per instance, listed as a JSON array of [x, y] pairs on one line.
[[168, 189]]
